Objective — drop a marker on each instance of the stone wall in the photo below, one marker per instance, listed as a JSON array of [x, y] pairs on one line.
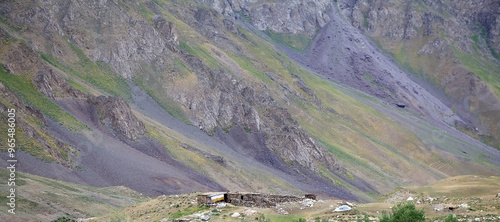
[[257, 199]]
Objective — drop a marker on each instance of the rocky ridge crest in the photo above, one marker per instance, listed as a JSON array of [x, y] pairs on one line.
[[295, 16]]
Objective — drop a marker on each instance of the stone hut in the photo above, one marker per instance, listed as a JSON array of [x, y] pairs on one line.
[[210, 198]]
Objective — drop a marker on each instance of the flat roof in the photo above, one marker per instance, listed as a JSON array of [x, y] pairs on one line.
[[211, 193]]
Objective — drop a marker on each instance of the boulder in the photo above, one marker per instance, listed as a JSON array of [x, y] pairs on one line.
[[342, 208], [236, 214], [307, 203]]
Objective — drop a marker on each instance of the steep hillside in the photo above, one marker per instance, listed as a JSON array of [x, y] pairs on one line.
[[452, 45], [181, 76], [170, 97], [341, 53]]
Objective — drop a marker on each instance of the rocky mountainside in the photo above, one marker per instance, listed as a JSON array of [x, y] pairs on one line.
[[294, 17], [78, 62], [340, 51], [170, 97], [453, 45]]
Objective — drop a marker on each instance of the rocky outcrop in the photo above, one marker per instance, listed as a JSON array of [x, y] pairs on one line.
[[167, 30], [297, 16], [20, 59], [224, 101], [17, 58], [485, 13], [302, 85], [290, 16], [460, 20], [104, 30], [116, 113], [288, 139], [53, 86]]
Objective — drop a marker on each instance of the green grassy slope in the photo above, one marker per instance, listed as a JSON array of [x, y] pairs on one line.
[[27, 91], [46, 199], [462, 186]]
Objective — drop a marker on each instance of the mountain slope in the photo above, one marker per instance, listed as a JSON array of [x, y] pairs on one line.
[[451, 45], [98, 78], [357, 62], [173, 97]]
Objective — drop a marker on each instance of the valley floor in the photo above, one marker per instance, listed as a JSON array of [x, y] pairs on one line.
[[469, 198]]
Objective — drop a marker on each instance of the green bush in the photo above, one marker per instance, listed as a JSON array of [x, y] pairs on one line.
[[404, 212], [365, 219], [450, 218], [263, 218], [64, 219]]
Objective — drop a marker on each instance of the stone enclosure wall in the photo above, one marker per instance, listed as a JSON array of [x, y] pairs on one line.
[[256, 199]]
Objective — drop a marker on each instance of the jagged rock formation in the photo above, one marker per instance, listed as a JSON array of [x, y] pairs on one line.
[[167, 30], [117, 113], [53, 86], [223, 101], [458, 19], [297, 16]]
